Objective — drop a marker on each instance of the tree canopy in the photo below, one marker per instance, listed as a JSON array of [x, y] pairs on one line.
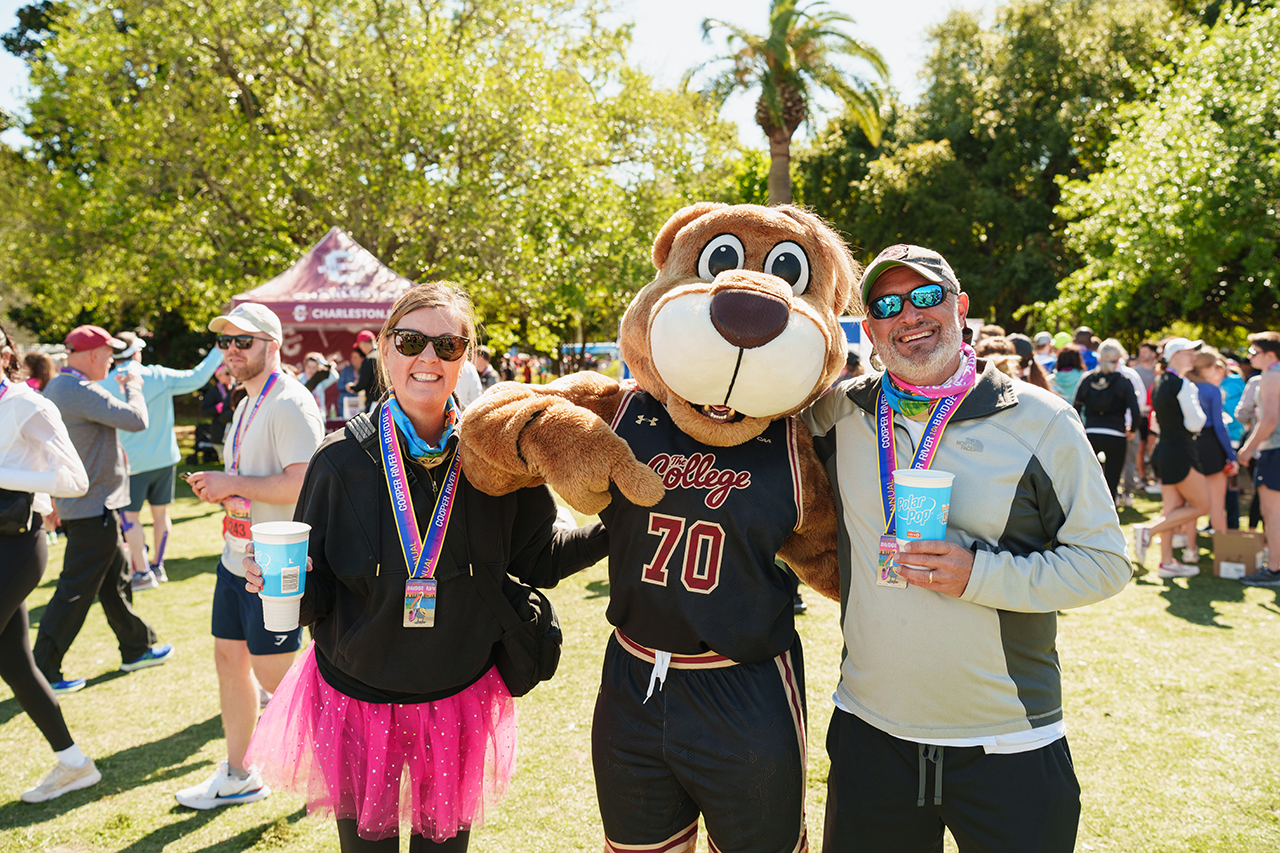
[[183, 150], [973, 169], [1184, 219]]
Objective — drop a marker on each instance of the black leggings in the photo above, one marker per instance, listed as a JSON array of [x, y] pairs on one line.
[[353, 843], [1115, 447], [29, 554]]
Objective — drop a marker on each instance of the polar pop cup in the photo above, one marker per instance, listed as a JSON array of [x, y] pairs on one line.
[[921, 502], [280, 550]]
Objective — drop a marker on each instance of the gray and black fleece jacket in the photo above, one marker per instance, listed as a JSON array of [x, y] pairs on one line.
[[1030, 499]]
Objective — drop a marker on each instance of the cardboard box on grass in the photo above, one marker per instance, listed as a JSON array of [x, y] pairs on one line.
[[1238, 553]]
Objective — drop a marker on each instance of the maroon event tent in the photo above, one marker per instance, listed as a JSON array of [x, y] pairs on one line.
[[336, 289]]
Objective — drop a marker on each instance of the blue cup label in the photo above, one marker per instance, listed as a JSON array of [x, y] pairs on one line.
[[283, 567]]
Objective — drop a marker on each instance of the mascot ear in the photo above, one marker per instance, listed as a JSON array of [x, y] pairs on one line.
[[846, 271], [681, 218]]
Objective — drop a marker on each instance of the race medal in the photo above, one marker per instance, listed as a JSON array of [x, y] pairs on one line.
[[419, 603], [887, 565], [237, 521]]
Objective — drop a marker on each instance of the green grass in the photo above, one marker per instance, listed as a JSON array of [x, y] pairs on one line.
[[1173, 712]]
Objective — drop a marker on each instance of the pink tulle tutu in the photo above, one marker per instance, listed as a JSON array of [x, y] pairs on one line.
[[437, 766]]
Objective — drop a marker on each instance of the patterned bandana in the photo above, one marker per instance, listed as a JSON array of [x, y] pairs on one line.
[[913, 400], [419, 450]]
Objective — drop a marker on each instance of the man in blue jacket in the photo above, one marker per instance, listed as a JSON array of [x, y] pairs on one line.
[[153, 453]]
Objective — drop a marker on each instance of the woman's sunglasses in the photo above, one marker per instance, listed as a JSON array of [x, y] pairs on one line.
[[924, 296], [411, 343], [242, 342]]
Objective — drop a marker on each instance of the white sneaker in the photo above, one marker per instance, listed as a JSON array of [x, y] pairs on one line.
[[1152, 489], [1128, 499], [224, 789], [63, 779], [1179, 540], [1177, 570], [1141, 541]]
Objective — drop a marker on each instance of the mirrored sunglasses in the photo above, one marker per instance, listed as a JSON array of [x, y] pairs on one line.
[[924, 296], [411, 343]]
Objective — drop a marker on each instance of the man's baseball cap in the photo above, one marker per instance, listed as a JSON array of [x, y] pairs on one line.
[[927, 262], [1021, 343], [1173, 346], [251, 315], [84, 338], [132, 343], [1043, 339], [1061, 339], [365, 335]]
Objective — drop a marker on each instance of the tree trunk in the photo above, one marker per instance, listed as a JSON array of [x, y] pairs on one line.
[[780, 168]]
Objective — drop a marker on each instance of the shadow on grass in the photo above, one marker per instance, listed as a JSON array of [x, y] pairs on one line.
[[123, 770], [277, 833], [1196, 602], [598, 589]]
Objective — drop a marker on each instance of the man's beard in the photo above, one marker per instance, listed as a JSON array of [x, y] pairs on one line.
[[923, 369], [254, 364]]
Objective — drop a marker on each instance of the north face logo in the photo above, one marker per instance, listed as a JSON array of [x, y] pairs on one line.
[[970, 444]]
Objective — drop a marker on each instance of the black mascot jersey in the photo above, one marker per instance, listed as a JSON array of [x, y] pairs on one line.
[[695, 573]]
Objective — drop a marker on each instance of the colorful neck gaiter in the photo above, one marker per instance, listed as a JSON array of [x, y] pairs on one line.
[[911, 400], [419, 450]]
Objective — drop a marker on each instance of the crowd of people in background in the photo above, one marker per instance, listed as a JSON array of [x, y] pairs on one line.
[[1169, 422]]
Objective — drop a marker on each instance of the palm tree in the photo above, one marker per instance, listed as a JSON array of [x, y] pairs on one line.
[[788, 63]]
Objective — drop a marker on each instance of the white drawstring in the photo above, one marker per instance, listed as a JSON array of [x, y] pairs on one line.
[[662, 660]]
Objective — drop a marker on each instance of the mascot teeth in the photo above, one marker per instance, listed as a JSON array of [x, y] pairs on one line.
[[719, 414]]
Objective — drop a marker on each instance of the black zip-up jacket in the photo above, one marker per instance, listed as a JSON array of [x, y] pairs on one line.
[[355, 593]]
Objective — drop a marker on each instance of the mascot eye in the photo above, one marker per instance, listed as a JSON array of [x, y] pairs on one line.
[[789, 262], [725, 252]]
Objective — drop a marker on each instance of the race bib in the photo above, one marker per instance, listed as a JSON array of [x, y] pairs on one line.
[[237, 521]]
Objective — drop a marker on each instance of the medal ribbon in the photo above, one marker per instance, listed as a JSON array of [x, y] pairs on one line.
[[4, 386], [419, 555], [243, 426], [938, 420], [71, 371]]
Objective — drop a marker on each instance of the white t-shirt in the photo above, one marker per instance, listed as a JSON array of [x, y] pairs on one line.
[[286, 430]]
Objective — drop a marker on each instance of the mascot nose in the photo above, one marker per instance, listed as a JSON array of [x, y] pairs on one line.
[[747, 318]]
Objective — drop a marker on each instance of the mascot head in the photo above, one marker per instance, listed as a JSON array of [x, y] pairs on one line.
[[740, 326]]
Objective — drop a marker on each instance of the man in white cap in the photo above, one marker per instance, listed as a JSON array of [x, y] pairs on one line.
[[153, 453], [951, 671], [94, 565], [269, 442]]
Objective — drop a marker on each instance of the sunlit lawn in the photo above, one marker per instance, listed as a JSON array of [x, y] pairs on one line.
[[1171, 691]]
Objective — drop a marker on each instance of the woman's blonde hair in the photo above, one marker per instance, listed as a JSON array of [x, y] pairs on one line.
[[1110, 352], [435, 294]]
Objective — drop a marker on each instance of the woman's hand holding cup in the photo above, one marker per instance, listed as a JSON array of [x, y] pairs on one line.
[[253, 572]]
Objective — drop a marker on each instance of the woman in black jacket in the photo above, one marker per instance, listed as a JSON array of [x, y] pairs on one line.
[[1103, 398], [392, 681]]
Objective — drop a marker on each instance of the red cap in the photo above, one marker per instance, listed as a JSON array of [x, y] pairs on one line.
[[84, 338], [365, 335]]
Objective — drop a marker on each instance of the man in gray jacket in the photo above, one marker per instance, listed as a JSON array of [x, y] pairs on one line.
[[950, 671], [94, 565]]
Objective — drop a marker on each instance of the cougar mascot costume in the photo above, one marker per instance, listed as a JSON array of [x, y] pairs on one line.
[[702, 475]]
